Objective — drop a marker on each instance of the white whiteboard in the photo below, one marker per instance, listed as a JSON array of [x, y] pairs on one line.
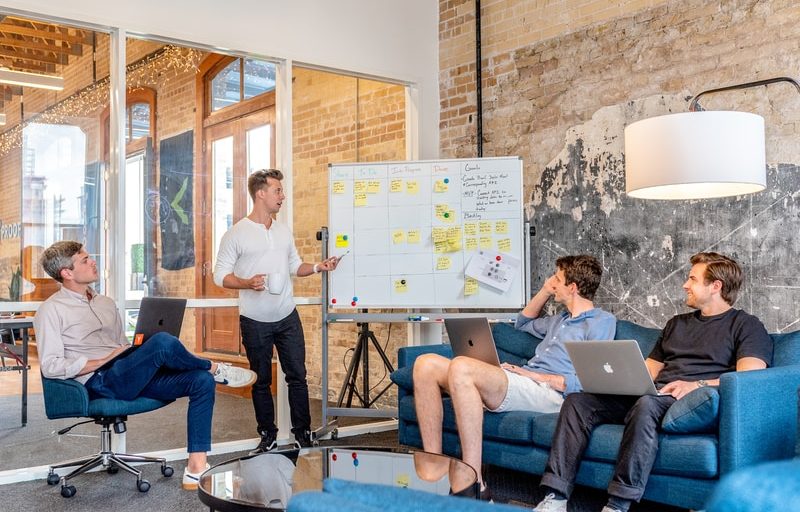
[[411, 228]]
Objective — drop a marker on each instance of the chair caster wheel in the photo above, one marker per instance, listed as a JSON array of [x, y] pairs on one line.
[[68, 491], [53, 479], [113, 469], [167, 471], [143, 485]]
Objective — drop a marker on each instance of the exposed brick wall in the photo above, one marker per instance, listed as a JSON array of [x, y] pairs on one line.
[[337, 119]]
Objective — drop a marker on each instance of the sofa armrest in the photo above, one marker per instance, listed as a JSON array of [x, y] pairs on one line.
[[64, 398], [407, 355], [758, 416]]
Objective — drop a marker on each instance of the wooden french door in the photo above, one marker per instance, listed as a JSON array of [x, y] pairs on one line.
[[232, 150]]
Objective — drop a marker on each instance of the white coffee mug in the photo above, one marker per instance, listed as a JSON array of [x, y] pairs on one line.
[[275, 283]]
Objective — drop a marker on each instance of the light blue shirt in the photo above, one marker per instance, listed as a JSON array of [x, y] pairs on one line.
[[551, 355]]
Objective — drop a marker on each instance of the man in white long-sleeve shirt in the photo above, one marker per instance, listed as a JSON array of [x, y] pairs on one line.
[[257, 254]]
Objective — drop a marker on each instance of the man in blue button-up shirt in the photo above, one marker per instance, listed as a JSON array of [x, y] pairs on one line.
[[539, 385]]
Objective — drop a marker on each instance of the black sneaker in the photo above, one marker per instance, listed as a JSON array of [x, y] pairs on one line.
[[268, 443], [302, 439]]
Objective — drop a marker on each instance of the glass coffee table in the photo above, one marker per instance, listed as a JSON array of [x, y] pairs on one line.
[[268, 480]]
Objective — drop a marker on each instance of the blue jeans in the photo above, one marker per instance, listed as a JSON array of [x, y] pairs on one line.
[[581, 413], [287, 337], [163, 369]]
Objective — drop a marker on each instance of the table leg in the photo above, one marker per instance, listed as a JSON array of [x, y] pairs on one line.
[[24, 376]]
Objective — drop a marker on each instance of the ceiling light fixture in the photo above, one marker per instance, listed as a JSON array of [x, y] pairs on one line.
[[11, 77], [698, 154]]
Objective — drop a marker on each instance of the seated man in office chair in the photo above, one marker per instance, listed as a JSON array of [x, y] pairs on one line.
[[540, 385], [79, 330]]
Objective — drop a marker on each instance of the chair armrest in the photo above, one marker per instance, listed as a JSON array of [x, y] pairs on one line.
[[407, 355], [64, 398], [757, 416]]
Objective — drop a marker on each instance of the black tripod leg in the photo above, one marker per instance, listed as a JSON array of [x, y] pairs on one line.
[[350, 379]]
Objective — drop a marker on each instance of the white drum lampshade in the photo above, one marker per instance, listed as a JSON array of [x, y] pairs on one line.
[[695, 155]]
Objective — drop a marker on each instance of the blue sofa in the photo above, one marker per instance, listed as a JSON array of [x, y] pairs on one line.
[[757, 423]]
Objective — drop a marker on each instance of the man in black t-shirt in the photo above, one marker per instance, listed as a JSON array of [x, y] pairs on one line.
[[694, 349]]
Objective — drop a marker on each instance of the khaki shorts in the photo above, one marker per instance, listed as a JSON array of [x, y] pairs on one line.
[[525, 394]]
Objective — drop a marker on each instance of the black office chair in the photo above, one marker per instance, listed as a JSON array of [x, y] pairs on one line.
[[70, 399]]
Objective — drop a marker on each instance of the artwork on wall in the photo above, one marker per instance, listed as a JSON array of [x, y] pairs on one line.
[[578, 205], [176, 177]]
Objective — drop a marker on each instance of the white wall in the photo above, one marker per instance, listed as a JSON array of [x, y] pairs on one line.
[[387, 38]]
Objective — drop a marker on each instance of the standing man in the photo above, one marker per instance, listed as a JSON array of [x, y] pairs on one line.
[[256, 257], [78, 331], [540, 385], [694, 349]]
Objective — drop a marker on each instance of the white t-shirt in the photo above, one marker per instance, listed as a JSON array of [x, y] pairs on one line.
[[249, 248]]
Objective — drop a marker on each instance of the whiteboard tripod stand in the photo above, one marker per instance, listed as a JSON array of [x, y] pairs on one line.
[[361, 358]]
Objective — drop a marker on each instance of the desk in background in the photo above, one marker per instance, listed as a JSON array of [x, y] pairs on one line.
[[24, 324]]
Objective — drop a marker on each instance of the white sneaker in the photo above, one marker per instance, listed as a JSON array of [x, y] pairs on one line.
[[551, 504], [233, 376], [191, 480]]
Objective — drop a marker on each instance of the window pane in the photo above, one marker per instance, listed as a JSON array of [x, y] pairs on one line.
[[134, 227], [225, 87], [259, 142], [140, 120], [222, 183], [259, 77]]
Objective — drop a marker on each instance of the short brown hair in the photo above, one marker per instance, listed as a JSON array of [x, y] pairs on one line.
[[583, 270], [723, 269], [58, 256], [259, 180]]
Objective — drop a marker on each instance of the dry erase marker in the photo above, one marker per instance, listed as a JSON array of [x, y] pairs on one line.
[[339, 258]]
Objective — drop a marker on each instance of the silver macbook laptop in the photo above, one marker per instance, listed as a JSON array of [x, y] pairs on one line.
[[472, 337], [611, 367]]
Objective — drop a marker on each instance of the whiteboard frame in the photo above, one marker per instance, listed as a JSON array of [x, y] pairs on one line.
[[523, 242]]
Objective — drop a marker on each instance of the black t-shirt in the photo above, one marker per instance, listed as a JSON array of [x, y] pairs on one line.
[[694, 347]]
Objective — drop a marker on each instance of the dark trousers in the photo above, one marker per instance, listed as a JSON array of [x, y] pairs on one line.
[[581, 413], [163, 369], [287, 337]]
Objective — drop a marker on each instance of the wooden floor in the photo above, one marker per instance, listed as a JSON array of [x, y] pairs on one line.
[[11, 382]]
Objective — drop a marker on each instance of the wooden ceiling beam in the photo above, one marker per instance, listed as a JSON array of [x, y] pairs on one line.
[[84, 38], [27, 44], [18, 65], [35, 57]]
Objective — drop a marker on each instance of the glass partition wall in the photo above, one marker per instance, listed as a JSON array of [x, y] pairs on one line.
[[196, 124]]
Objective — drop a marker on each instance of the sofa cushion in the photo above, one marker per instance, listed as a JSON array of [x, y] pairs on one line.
[[694, 413], [645, 336], [682, 455], [513, 346], [404, 377], [786, 348]]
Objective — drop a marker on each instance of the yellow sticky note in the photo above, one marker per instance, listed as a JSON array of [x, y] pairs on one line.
[[453, 233], [471, 229], [504, 245], [413, 236], [454, 245], [472, 244], [485, 227], [440, 210], [373, 186], [338, 187], [470, 286], [396, 186], [443, 263], [439, 234], [342, 240], [440, 247], [501, 227], [360, 186], [485, 242], [439, 186], [450, 216], [398, 236], [360, 199], [400, 286], [412, 187], [402, 480]]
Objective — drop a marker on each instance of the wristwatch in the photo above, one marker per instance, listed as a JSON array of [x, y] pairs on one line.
[[701, 383]]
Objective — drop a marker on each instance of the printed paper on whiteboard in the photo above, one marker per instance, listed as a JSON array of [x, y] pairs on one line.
[[495, 269]]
